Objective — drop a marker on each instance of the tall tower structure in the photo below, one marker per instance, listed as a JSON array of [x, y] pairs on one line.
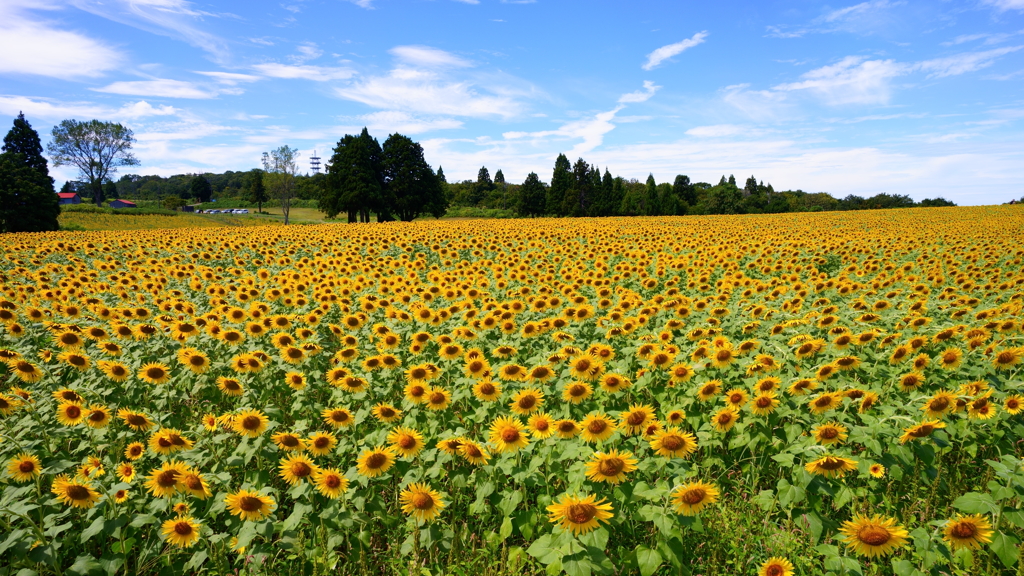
[[314, 163]]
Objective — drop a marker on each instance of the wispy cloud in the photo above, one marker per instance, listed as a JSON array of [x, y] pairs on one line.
[[162, 88], [717, 131], [1004, 5], [305, 52], [230, 78], [661, 54], [54, 110], [640, 95], [963, 63], [852, 80], [428, 56], [390, 121], [38, 47], [862, 18], [303, 72]]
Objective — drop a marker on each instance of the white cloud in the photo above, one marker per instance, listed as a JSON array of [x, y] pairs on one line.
[[55, 111], [173, 18], [640, 95], [469, 1], [658, 56], [427, 56], [161, 88], [963, 63], [1003, 5], [862, 18], [230, 78], [390, 121], [717, 131], [368, 4], [37, 47], [304, 72], [306, 51], [430, 92], [852, 80]]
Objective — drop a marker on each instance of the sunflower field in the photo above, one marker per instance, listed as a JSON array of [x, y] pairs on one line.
[[835, 393]]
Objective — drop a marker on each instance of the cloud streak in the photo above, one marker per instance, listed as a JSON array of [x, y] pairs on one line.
[[654, 59]]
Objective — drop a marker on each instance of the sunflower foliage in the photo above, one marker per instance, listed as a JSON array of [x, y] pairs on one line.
[[834, 393]]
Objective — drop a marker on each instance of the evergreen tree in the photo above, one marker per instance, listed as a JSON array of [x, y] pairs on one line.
[[650, 198], [200, 188], [355, 179], [750, 187], [499, 178], [684, 190], [409, 181], [732, 180], [618, 195], [578, 198], [605, 205], [484, 185], [561, 181], [23, 139], [531, 197], [27, 200], [256, 192]]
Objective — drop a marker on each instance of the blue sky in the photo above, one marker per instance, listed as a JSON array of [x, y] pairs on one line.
[[917, 97]]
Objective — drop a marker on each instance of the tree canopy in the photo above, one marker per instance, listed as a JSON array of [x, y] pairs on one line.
[[96, 148], [28, 202]]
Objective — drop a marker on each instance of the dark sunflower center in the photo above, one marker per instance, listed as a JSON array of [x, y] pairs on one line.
[[774, 570], [580, 513], [823, 402], [250, 503], [420, 373], [472, 451], [509, 435], [964, 530], [763, 402], [332, 481], [197, 361], [487, 389], [597, 426], [636, 418], [193, 482], [300, 469], [26, 466], [422, 501], [724, 418], [527, 402], [735, 398], [290, 441], [567, 427], [828, 433], [611, 466], [167, 478], [376, 460], [251, 422], [322, 442], [922, 431], [874, 535], [97, 416], [155, 373], [407, 442], [707, 390], [77, 492], [73, 411], [694, 496], [1005, 357], [830, 463], [386, 412]]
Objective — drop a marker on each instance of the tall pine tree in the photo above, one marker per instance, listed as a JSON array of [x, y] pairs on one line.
[[28, 201], [561, 181], [531, 196]]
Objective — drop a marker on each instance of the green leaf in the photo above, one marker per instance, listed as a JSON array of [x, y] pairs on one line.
[[197, 560], [84, 565], [543, 550], [1005, 546], [95, 528], [142, 520], [506, 528], [976, 503], [296, 517], [1016, 517], [648, 560], [577, 564]]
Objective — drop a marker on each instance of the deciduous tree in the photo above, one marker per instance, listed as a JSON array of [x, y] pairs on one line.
[[96, 148]]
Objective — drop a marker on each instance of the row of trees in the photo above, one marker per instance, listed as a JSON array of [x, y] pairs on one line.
[[391, 181]]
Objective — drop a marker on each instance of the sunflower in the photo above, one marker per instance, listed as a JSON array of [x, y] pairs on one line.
[[764, 404], [230, 386], [874, 536], [24, 467], [579, 515], [250, 423], [194, 360], [25, 371], [830, 433], [776, 566], [610, 467], [919, 431], [512, 372], [680, 373], [969, 532], [508, 434], [673, 443], [135, 420], [831, 466], [725, 418], [567, 428], [867, 401], [824, 402], [407, 442], [295, 380], [122, 496], [249, 505], [487, 390], [692, 497], [168, 441], [192, 482], [1013, 404], [330, 482], [736, 398], [941, 403], [1007, 358], [723, 357], [70, 414], [473, 453], [416, 393], [321, 443], [709, 390], [911, 381], [597, 427], [374, 462], [437, 398], [876, 470], [576, 392], [288, 441], [585, 367], [163, 481], [126, 472], [295, 467], [155, 373], [981, 408], [386, 412], [337, 417], [634, 420], [541, 425], [74, 492], [97, 416], [527, 401], [134, 451]]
